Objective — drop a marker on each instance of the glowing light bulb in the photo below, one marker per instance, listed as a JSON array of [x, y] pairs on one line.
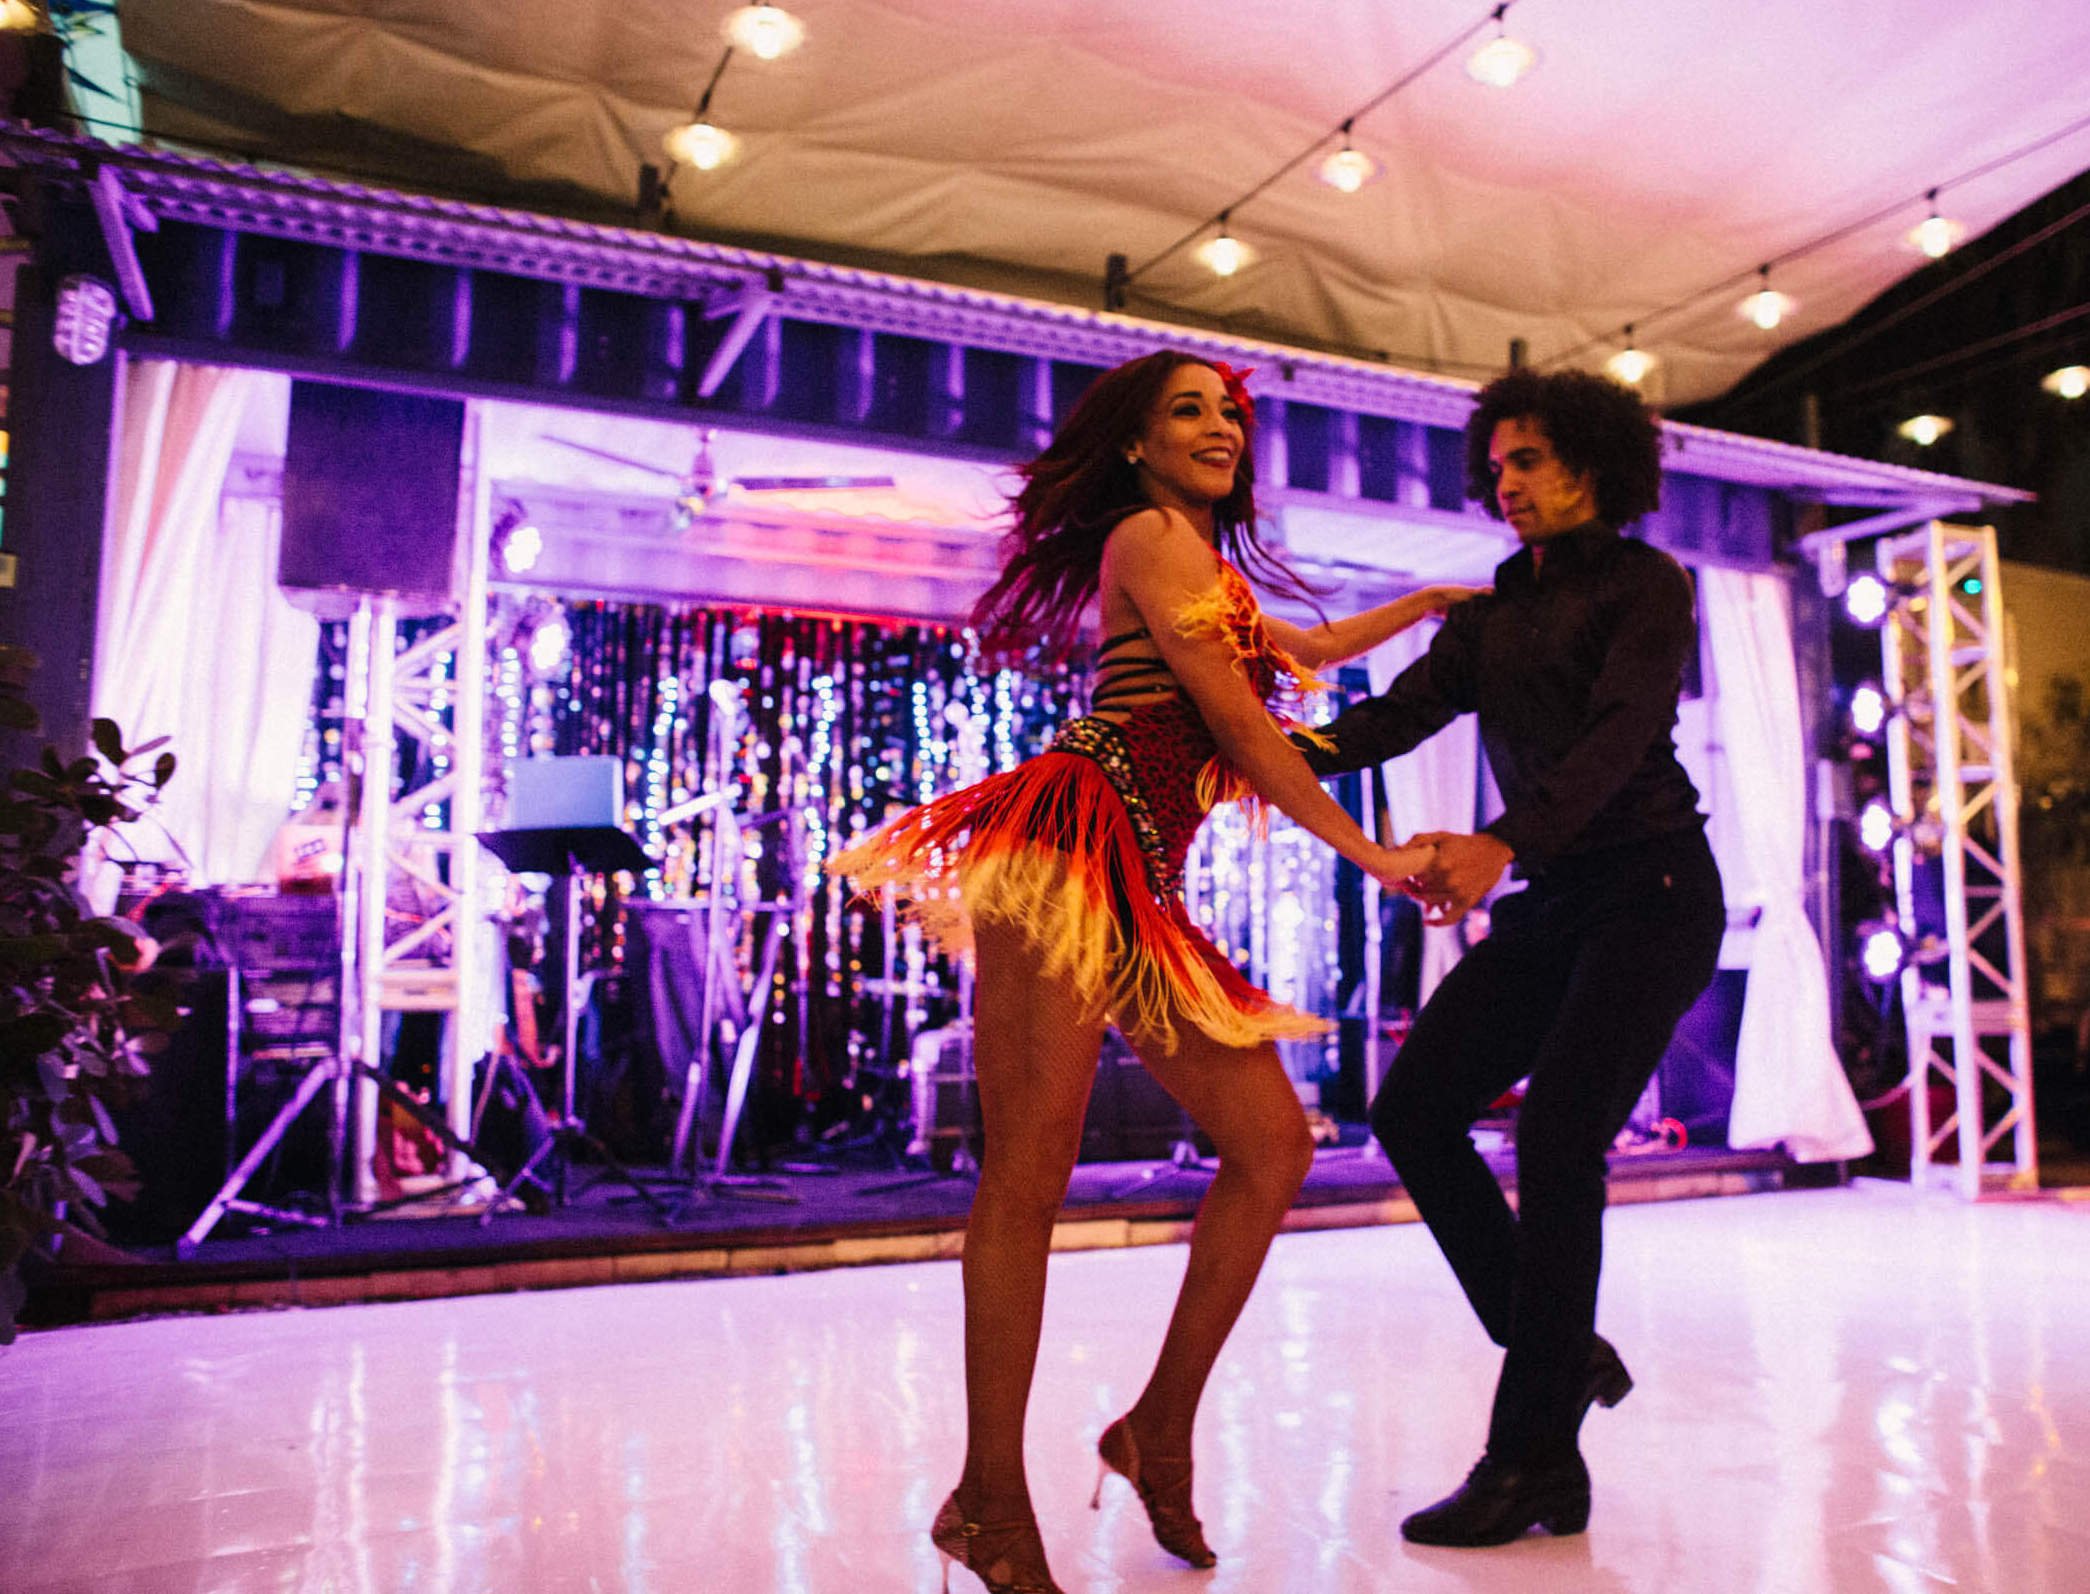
[[766, 32], [1766, 307], [1868, 710], [2070, 382], [1224, 254], [525, 545], [1923, 430], [1936, 236], [1501, 61], [548, 645], [1881, 954], [700, 144], [1630, 365], [17, 16], [1876, 826], [1348, 170], [1865, 600]]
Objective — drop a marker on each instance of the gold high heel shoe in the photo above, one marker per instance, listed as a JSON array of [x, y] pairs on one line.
[[981, 1547], [1175, 1524]]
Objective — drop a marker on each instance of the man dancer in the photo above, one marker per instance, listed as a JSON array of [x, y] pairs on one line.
[[1574, 666]]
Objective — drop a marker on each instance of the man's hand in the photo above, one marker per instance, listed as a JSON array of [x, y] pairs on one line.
[[1465, 870]]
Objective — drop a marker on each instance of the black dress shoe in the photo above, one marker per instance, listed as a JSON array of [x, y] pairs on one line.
[[1502, 1501], [1605, 1382]]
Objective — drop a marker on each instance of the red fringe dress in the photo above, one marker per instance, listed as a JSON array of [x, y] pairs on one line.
[[1083, 847]]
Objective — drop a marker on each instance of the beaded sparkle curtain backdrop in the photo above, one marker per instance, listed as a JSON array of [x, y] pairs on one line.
[[819, 727]]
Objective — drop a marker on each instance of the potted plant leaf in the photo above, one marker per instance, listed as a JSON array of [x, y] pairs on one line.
[[75, 1035]]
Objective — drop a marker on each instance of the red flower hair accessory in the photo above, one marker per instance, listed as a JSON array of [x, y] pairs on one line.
[[1236, 384]]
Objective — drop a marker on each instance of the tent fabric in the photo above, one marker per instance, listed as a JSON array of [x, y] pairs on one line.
[[195, 641], [1789, 1086], [1655, 151]]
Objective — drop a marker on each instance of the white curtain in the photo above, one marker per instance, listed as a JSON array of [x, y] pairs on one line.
[[194, 642], [1789, 1086], [1431, 788]]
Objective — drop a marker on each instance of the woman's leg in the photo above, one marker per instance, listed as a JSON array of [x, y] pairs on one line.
[[1034, 1055], [1246, 1104]]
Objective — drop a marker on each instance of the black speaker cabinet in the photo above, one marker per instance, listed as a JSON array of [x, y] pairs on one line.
[[370, 483]]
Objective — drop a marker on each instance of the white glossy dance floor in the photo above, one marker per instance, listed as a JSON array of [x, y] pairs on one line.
[[1839, 1390]]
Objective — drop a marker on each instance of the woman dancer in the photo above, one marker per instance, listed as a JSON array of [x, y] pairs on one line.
[[1063, 876]]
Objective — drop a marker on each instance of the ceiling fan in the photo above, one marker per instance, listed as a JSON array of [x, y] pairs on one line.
[[700, 489]]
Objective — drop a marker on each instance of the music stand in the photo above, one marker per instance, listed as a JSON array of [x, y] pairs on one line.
[[571, 851], [723, 916]]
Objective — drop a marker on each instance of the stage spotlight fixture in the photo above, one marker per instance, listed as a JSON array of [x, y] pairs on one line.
[[522, 548], [17, 16], [1502, 60], [1766, 307], [1224, 254], [1880, 949], [1885, 949], [1923, 430], [766, 32], [516, 543], [83, 320], [1876, 826], [1868, 710], [2070, 382], [1879, 827], [1866, 600]]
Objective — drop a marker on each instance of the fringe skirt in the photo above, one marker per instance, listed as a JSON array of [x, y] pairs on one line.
[[1069, 848]]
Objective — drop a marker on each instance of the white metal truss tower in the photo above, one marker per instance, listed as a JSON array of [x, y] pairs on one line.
[[429, 958], [1951, 776]]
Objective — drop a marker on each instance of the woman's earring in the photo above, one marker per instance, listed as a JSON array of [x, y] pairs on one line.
[[1132, 459]]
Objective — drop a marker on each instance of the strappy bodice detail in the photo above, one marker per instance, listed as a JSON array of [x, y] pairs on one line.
[[1130, 679]]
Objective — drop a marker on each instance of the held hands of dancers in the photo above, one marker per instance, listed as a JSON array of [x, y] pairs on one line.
[[1399, 868], [1462, 869]]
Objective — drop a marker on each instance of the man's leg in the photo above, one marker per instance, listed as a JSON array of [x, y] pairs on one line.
[[1639, 965], [1474, 1038]]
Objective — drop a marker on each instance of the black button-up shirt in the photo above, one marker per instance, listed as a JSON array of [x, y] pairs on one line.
[[1575, 674]]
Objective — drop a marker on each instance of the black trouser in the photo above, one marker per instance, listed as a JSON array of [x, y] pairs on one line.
[[1579, 985]]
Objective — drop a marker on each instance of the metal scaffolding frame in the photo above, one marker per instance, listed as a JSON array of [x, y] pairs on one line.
[[444, 962], [1951, 774]]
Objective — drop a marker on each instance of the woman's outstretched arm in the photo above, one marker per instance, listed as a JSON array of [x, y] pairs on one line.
[[1332, 641]]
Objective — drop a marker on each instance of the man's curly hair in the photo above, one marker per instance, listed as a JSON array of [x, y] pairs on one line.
[[1593, 423]]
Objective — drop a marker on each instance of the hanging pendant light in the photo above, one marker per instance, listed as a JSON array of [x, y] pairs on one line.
[[1502, 60], [1936, 236], [2070, 382], [700, 144], [766, 32], [1766, 306], [1629, 364], [1223, 254], [1923, 430], [1349, 169]]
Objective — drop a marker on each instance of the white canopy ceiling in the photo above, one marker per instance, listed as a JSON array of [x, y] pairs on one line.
[[1657, 149]]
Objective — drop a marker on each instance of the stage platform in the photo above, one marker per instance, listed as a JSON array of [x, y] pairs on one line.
[[798, 1221]]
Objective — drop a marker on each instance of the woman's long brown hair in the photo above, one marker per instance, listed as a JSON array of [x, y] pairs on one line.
[[1076, 492]]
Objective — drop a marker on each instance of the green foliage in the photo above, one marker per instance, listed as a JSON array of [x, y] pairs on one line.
[[74, 1035], [2055, 806]]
